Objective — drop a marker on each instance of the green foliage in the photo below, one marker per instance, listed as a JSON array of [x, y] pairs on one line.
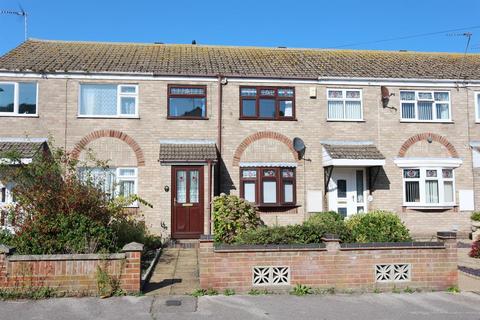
[[198, 293], [377, 226], [453, 289], [301, 290], [58, 212], [32, 293], [232, 215], [475, 216], [258, 292], [310, 231], [107, 285], [408, 290], [6, 237], [211, 292], [229, 292], [330, 290]]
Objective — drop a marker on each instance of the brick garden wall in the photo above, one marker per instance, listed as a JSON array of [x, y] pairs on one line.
[[70, 273], [433, 265]]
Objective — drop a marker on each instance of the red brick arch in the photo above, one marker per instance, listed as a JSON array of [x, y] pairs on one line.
[[424, 136], [94, 135], [259, 136]]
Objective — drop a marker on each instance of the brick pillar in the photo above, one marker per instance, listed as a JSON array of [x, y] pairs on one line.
[[4, 252], [131, 276], [332, 242], [205, 263], [449, 238]]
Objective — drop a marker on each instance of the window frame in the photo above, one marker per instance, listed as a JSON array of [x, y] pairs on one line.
[[422, 185], [16, 100], [119, 178], [280, 186], [169, 95], [275, 97], [119, 113], [477, 105], [344, 100], [434, 106]]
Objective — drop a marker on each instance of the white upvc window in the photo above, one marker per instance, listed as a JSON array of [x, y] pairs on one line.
[[344, 105], [114, 182], [6, 198], [477, 107], [108, 100], [425, 106], [18, 99], [428, 186]]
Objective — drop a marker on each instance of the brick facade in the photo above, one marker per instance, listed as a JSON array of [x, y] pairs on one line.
[[136, 142], [71, 273], [433, 266]]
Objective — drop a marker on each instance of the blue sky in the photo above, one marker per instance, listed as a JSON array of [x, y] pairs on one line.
[[272, 23]]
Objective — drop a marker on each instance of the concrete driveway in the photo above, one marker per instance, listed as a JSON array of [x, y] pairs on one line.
[[438, 306]]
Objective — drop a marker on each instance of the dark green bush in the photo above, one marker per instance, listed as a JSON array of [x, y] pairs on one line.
[[310, 231], [231, 216], [329, 222], [475, 216], [6, 237], [376, 226]]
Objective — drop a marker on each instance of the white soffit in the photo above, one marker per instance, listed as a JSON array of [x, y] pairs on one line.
[[428, 162], [268, 164]]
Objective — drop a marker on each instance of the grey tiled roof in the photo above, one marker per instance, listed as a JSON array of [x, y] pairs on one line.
[[360, 151], [24, 149], [199, 60], [184, 151]]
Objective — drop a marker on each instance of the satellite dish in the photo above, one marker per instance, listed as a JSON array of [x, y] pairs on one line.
[[299, 146]]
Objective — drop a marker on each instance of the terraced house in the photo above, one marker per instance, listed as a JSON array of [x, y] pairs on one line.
[[397, 131]]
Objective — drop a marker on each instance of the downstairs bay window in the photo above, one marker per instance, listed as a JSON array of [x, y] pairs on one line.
[[114, 182], [268, 186], [424, 186]]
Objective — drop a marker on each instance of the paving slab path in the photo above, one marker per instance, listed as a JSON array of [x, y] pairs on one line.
[[176, 273], [468, 269]]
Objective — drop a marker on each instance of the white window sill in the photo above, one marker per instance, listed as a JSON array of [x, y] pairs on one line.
[[108, 117], [429, 207], [345, 120], [425, 121], [17, 115]]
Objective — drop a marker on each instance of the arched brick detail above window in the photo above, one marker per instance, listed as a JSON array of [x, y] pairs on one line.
[[425, 136], [81, 145], [259, 136]]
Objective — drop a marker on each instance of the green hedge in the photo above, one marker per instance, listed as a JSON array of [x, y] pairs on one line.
[[377, 226], [475, 216]]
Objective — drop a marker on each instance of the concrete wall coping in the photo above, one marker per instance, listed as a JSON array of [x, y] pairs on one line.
[[132, 247], [66, 257]]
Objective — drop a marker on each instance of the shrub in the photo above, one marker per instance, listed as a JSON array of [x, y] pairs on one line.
[[328, 222], [377, 226], [6, 237], [475, 251], [301, 290], [475, 216], [311, 231], [56, 211], [231, 216]]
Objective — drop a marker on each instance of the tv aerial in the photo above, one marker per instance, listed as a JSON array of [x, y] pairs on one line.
[[20, 13]]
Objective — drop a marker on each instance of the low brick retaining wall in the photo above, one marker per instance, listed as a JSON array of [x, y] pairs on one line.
[[358, 267], [70, 273]]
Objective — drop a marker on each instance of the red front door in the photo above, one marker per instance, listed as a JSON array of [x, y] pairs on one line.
[[187, 202]]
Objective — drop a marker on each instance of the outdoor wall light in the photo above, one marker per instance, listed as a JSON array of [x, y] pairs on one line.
[[166, 188]]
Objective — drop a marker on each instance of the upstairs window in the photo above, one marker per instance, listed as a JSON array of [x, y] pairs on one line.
[[269, 186], [266, 103], [18, 98], [187, 102], [477, 106], [429, 187], [433, 106], [108, 100], [344, 104]]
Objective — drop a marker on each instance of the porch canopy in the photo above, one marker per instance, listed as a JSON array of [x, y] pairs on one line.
[[25, 148], [187, 151], [363, 154]]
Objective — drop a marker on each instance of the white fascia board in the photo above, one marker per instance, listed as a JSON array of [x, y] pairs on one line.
[[354, 162], [186, 141], [23, 139], [428, 162]]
